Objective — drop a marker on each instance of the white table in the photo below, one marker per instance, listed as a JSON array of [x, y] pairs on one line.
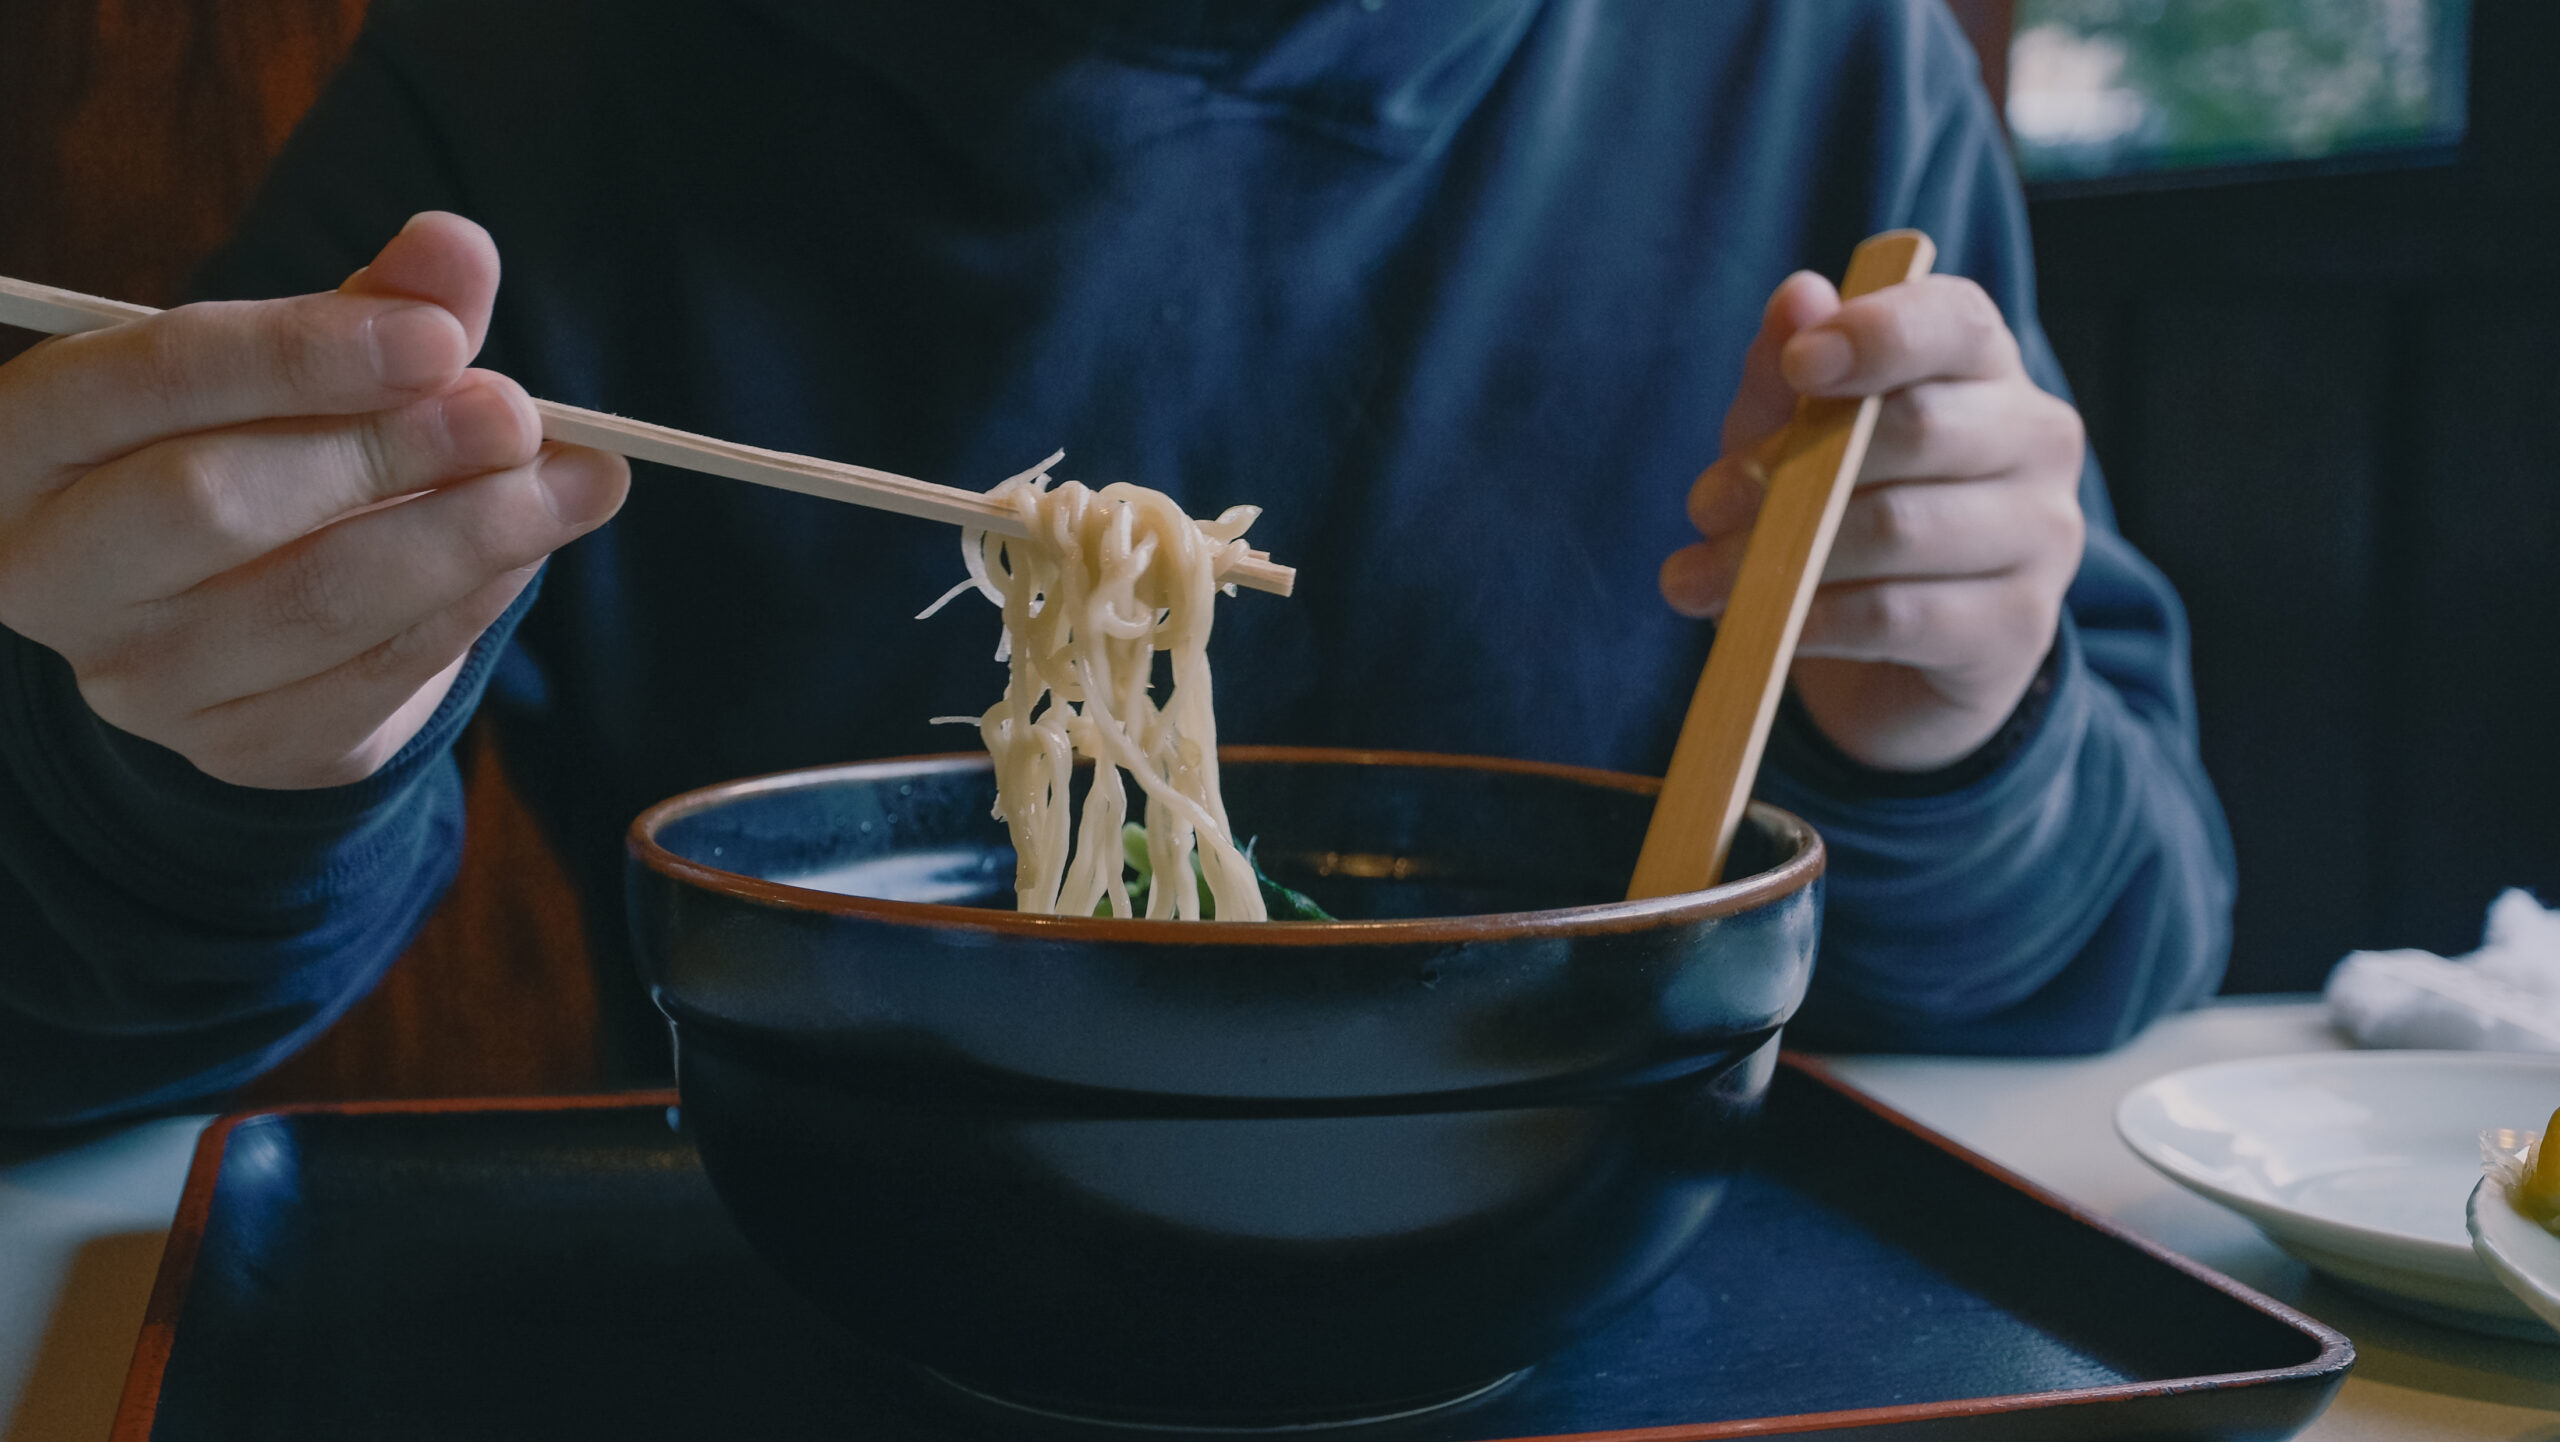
[[81, 1226], [2053, 1122]]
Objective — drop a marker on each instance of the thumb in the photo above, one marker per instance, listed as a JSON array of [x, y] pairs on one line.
[[440, 258], [1764, 402]]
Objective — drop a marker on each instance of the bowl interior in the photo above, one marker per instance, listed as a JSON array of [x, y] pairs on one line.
[[1368, 839]]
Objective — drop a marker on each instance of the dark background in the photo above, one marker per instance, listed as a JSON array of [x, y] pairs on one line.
[[2329, 406]]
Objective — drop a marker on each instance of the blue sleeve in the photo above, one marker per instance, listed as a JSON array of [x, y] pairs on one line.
[[164, 935], [2083, 887]]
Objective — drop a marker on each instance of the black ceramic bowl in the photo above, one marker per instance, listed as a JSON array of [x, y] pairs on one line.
[[1216, 1173]]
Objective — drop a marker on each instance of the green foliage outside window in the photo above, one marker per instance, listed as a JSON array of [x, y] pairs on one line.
[[2110, 87]]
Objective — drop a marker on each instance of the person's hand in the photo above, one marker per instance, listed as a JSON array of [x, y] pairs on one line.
[[1945, 583], [266, 534]]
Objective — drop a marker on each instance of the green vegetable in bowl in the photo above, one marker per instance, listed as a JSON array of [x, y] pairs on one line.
[[1284, 903]]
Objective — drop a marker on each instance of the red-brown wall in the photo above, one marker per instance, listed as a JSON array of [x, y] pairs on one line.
[[131, 136]]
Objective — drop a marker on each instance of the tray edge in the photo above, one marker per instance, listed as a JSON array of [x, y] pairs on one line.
[[2323, 1372], [2337, 1351], [138, 1406]]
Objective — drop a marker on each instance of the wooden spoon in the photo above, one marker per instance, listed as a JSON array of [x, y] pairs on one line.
[[1718, 753]]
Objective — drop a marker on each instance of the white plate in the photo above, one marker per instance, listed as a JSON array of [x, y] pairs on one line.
[[2517, 1250], [2359, 1163]]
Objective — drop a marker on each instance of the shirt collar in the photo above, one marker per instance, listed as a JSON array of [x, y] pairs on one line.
[[1395, 77]]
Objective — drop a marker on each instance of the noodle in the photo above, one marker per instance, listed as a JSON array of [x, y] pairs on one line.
[[1106, 580]]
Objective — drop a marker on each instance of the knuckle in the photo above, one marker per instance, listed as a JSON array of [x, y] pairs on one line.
[[1893, 520], [143, 668], [391, 658], [524, 527], [1973, 304], [2067, 435], [1892, 615], [278, 740], [22, 595], [2032, 617], [1843, 617], [1716, 502], [45, 598], [297, 347], [228, 747], [305, 591], [516, 527], [1701, 505], [122, 694], [1889, 338], [1926, 422], [404, 662], [2068, 529], [487, 531], [1976, 313], [511, 393], [197, 494], [164, 361], [377, 452]]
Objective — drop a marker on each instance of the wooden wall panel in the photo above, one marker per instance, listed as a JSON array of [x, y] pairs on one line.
[[2252, 481], [2090, 331], [1988, 24], [135, 131], [2476, 730]]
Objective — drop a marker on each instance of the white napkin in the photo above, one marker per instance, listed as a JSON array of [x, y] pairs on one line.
[[2503, 997]]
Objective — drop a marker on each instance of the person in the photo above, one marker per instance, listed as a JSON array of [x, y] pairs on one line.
[[1458, 293]]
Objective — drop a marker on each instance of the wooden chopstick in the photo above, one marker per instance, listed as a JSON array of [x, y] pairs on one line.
[[63, 312], [1718, 754]]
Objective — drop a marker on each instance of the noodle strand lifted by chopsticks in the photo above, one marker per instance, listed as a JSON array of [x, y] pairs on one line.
[[1105, 580]]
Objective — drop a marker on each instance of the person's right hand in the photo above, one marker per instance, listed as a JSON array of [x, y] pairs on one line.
[[266, 534]]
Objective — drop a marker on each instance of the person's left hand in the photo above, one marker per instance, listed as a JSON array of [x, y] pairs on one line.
[[1945, 584]]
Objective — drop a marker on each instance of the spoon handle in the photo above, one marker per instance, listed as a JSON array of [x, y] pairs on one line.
[[1718, 753]]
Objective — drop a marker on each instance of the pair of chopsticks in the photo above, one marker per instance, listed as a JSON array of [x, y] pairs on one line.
[[63, 312], [1718, 754], [1727, 725]]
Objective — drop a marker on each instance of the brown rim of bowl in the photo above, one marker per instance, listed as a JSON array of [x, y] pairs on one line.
[[1796, 872]]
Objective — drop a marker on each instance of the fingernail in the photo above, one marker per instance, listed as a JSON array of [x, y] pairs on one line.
[[483, 429], [1727, 495], [1681, 585], [414, 346], [585, 486], [1818, 358]]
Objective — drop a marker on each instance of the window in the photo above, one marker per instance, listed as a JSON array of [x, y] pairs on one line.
[[2103, 90]]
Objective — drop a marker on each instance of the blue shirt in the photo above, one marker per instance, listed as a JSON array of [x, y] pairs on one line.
[[1457, 292]]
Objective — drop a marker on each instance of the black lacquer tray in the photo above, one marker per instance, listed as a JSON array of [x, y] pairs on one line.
[[559, 1269]]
